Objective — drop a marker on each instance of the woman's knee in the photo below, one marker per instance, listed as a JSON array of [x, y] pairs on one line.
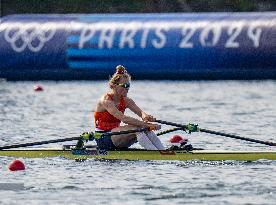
[[123, 141]]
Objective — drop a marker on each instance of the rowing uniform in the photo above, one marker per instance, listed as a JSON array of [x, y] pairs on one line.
[[105, 122]]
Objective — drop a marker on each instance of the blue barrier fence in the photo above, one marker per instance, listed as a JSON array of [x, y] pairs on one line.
[[150, 46]]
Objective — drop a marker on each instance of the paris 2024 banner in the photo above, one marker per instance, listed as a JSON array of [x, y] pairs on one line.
[[151, 46]]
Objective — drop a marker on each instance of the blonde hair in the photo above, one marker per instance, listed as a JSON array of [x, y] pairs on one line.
[[121, 72]]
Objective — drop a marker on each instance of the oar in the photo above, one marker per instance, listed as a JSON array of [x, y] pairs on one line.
[[72, 138], [218, 133], [169, 130]]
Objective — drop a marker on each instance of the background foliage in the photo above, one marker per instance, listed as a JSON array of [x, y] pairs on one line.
[[138, 6]]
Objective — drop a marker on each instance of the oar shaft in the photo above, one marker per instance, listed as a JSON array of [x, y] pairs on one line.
[[171, 123], [219, 133], [169, 131], [70, 139], [238, 137], [39, 143]]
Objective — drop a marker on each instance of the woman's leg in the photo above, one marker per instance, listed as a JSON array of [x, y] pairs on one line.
[[147, 140], [124, 140], [155, 140]]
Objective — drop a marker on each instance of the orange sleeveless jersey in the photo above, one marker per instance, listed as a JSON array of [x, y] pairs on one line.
[[106, 121]]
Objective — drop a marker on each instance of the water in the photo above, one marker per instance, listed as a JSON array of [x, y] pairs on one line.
[[65, 109]]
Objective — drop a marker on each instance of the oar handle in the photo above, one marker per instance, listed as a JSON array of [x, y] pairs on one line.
[[125, 132]]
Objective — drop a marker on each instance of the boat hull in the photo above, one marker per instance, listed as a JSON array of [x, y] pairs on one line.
[[205, 155]]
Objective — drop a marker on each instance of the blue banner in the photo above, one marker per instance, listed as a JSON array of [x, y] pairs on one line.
[[150, 46]]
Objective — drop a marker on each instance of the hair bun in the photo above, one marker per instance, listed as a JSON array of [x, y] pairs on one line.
[[120, 69]]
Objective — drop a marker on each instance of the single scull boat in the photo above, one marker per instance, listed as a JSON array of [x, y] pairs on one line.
[[139, 154]]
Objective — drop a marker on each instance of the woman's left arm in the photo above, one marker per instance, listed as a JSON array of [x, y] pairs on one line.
[[134, 108]]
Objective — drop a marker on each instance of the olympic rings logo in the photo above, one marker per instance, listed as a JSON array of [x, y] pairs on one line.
[[32, 36]]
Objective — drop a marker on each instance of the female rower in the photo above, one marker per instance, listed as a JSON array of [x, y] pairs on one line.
[[109, 113]]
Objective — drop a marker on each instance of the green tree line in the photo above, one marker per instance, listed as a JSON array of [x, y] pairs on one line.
[[132, 6]]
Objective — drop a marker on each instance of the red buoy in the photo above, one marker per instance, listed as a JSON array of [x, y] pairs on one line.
[[38, 88], [177, 139], [16, 165]]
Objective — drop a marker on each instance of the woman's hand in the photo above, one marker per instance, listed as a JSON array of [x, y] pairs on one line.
[[147, 118], [153, 126]]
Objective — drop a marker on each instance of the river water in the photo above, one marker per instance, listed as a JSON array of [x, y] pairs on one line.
[[65, 109]]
